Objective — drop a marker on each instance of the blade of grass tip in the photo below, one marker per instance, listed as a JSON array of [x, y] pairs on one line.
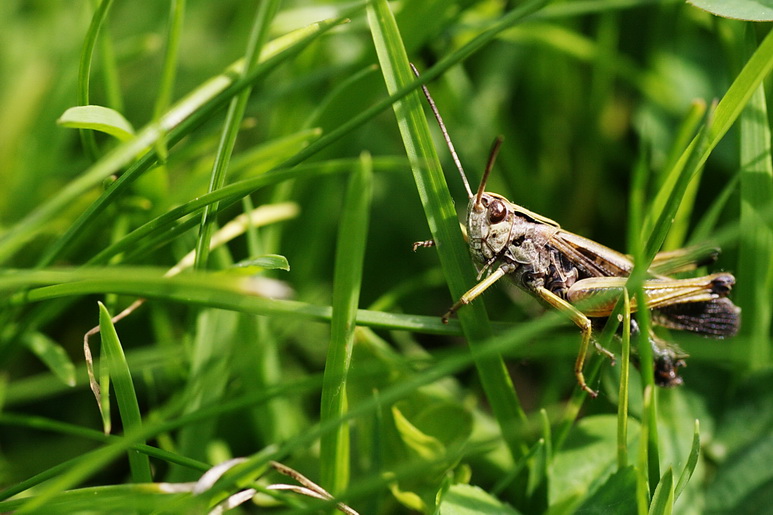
[[184, 116], [263, 17], [350, 255], [126, 396], [692, 461], [442, 220], [680, 228], [755, 252], [84, 72], [540, 467], [673, 166]]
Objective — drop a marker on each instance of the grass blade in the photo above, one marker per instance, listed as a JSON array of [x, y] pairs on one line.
[[755, 252], [441, 218], [692, 462], [350, 254], [663, 499], [126, 396], [265, 13]]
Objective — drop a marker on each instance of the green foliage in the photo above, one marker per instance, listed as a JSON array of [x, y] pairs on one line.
[[248, 179]]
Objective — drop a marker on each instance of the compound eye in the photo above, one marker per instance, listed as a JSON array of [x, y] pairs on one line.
[[496, 211]]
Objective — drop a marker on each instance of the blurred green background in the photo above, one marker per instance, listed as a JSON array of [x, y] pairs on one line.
[[587, 96]]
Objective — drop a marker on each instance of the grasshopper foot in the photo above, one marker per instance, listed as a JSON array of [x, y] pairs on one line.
[[423, 244]]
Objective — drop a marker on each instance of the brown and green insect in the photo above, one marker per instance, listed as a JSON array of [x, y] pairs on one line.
[[566, 271]]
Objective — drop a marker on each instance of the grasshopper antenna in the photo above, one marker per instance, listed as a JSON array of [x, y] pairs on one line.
[[489, 165], [445, 134]]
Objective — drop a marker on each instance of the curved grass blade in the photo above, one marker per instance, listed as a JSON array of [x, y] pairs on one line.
[[692, 462], [125, 395]]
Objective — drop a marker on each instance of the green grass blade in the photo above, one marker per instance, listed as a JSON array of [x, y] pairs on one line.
[[663, 499], [227, 195], [171, 56], [97, 118], [643, 484], [692, 462], [755, 252], [84, 72], [350, 255], [442, 220], [126, 396], [265, 13], [218, 290], [622, 402]]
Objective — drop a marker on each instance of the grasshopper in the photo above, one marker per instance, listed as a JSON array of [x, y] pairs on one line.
[[565, 271]]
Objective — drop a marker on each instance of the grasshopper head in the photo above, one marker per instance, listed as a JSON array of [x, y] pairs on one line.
[[489, 223], [489, 218]]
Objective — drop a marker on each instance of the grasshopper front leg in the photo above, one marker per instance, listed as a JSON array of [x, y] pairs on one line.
[[474, 292]]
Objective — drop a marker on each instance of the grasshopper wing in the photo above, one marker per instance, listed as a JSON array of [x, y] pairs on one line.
[[591, 259], [717, 318]]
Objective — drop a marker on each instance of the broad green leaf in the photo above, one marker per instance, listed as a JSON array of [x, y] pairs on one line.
[[469, 500], [98, 118], [267, 262], [743, 451], [750, 10], [616, 495], [424, 445], [588, 457], [663, 500]]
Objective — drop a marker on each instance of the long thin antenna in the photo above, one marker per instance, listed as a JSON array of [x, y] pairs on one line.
[[489, 165], [445, 134]]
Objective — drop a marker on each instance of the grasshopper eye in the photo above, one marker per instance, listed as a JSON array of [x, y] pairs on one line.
[[497, 212]]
